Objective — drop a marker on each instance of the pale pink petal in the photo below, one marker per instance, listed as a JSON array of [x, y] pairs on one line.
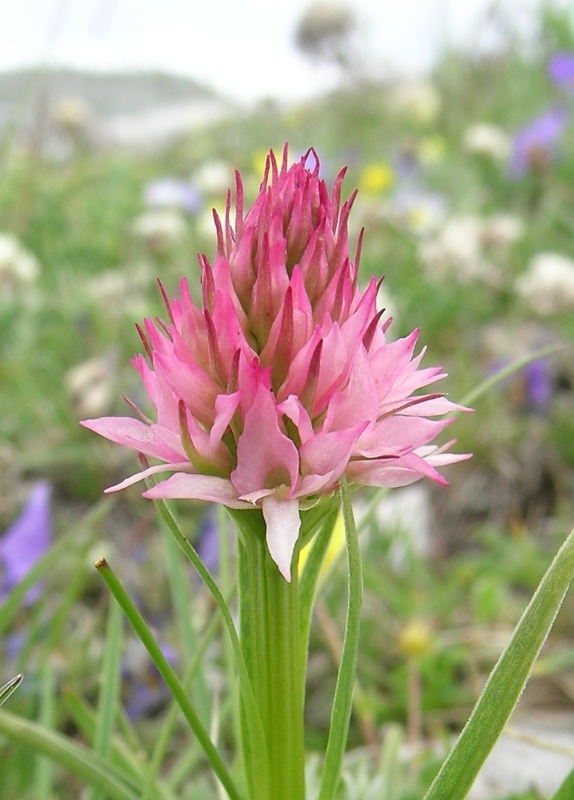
[[329, 451], [433, 408], [389, 361], [133, 433], [294, 410], [357, 403], [395, 435], [283, 525], [197, 487], [266, 457], [190, 383], [140, 476], [225, 407], [392, 472]]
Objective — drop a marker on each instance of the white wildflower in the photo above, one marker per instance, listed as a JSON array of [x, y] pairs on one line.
[[213, 178], [419, 100], [90, 386], [121, 291], [421, 212], [18, 267], [70, 114], [456, 248], [547, 286], [488, 140], [160, 229], [502, 230]]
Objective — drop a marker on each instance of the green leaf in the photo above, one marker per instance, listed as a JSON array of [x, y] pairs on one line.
[[77, 759], [343, 699], [167, 673], [182, 605], [390, 769], [166, 730], [123, 758], [109, 687], [44, 777], [566, 790], [310, 577], [252, 716], [121, 755], [10, 687], [506, 682]]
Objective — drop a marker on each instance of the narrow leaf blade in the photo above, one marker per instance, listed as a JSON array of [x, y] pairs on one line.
[[506, 682]]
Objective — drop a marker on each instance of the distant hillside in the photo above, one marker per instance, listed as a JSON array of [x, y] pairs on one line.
[[106, 94], [139, 109]]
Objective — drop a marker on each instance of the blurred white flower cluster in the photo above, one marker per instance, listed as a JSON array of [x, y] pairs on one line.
[[469, 247], [122, 291], [19, 269], [160, 229], [547, 286], [419, 211], [91, 386], [213, 178], [487, 140], [417, 100]]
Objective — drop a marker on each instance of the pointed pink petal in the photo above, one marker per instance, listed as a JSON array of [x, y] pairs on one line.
[[140, 476], [392, 472], [283, 524], [266, 458], [135, 434], [433, 408], [197, 487], [190, 383], [398, 435], [294, 410], [329, 451], [357, 403], [225, 407]]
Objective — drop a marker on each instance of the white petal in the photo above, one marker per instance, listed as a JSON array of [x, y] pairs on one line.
[[283, 524]]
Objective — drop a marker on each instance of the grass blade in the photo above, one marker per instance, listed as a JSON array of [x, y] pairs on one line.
[[166, 729], [310, 578], [181, 599], [44, 777], [178, 692], [506, 682], [252, 716], [77, 759], [343, 699], [109, 688], [506, 372], [566, 791], [10, 687]]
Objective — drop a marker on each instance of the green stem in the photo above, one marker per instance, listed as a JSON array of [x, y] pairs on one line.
[[270, 638]]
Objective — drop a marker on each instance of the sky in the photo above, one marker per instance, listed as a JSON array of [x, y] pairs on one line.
[[242, 48]]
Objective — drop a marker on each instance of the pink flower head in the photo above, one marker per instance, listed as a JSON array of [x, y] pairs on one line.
[[282, 380]]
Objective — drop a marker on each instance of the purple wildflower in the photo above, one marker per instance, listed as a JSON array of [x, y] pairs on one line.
[[208, 542], [145, 690], [538, 384], [561, 70], [25, 541], [534, 145], [173, 193]]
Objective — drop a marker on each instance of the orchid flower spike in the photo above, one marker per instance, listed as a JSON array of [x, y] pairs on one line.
[[282, 380]]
